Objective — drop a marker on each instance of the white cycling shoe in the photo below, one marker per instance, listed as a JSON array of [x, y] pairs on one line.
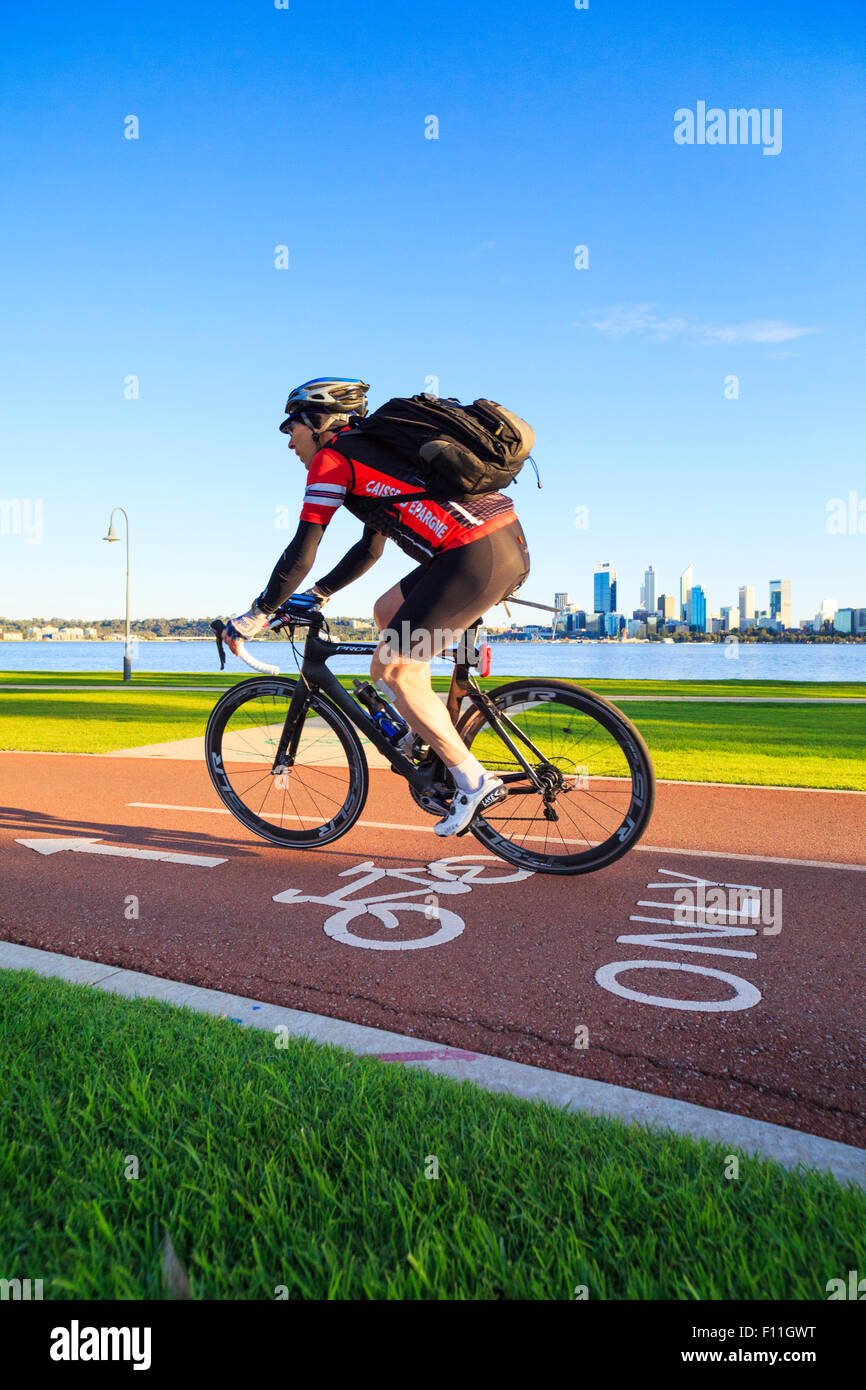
[[466, 805]]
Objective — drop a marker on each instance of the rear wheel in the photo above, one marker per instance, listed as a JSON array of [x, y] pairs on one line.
[[314, 801], [597, 784]]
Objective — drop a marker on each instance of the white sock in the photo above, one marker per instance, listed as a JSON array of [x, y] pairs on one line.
[[468, 775]]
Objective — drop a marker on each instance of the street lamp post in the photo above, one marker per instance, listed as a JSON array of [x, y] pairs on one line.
[[127, 670]]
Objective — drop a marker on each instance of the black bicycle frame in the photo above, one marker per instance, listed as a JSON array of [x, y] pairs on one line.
[[316, 676]]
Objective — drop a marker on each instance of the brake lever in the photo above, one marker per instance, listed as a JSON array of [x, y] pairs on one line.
[[218, 627]]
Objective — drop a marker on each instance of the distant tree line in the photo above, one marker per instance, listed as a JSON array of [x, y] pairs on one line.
[[152, 627], [345, 628]]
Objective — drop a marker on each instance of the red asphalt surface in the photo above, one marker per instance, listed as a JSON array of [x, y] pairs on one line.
[[519, 978]]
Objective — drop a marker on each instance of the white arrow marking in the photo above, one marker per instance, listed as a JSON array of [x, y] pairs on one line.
[[95, 846]]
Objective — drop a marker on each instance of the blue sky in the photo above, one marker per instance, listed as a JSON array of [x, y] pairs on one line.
[[412, 258]]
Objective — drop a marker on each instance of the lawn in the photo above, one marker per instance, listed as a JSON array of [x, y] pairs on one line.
[[771, 744], [309, 1169], [167, 679]]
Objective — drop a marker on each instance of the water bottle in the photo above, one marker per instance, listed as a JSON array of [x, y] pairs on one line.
[[389, 725], [366, 693], [382, 713]]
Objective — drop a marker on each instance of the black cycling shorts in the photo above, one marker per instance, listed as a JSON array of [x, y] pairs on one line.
[[453, 590]]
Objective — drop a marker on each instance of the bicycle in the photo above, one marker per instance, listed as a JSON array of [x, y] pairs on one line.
[[285, 756]]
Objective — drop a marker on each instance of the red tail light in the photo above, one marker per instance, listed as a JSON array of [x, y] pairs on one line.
[[486, 659]]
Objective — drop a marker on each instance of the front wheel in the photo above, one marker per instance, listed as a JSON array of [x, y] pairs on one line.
[[595, 781], [314, 801]]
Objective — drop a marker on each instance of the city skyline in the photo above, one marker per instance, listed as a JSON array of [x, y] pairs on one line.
[[779, 607]]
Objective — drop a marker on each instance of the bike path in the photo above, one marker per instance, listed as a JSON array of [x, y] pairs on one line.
[[480, 956]]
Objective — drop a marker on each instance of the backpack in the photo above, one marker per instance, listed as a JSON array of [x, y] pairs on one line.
[[458, 450]]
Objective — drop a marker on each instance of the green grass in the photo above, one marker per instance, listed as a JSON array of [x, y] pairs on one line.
[[769, 745], [99, 721], [775, 745], [305, 1167], [167, 679]]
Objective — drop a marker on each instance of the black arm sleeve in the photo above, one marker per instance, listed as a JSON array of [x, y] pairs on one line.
[[354, 563], [292, 567]]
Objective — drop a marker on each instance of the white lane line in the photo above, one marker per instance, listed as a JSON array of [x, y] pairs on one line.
[[82, 845], [789, 1147], [760, 787], [168, 806], [428, 830], [754, 858]]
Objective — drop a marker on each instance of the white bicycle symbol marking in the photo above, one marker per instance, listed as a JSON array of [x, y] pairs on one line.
[[443, 877]]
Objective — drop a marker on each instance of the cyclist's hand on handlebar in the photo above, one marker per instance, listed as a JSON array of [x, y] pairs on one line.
[[304, 602], [247, 625]]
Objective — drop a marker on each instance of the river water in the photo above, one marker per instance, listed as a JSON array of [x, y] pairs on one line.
[[615, 661]]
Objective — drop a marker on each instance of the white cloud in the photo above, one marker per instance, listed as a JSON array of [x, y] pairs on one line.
[[761, 331], [622, 320]]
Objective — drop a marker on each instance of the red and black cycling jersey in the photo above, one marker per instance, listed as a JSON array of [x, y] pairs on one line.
[[361, 476]]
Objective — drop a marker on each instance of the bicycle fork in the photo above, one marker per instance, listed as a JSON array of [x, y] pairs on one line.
[[287, 748]]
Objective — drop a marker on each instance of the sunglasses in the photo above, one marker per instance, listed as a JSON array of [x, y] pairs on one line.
[[288, 425]]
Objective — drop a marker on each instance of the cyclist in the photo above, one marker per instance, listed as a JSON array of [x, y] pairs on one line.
[[470, 554]]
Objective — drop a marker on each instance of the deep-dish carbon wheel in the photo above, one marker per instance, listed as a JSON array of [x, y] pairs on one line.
[[314, 801], [595, 786]]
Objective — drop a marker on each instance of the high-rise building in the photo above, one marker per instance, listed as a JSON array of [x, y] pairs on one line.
[[730, 619], [648, 590], [604, 589], [780, 601], [667, 606], [697, 608], [685, 590], [829, 609], [747, 604], [560, 602], [843, 620]]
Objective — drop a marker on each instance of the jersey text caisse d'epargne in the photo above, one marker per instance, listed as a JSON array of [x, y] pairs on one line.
[[362, 476]]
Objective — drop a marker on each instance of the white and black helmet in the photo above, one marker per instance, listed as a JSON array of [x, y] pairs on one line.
[[326, 396]]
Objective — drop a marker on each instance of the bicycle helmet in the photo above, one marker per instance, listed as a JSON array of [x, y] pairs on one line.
[[326, 396]]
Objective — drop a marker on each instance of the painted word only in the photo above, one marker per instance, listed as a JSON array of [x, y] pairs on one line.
[[700, 933]]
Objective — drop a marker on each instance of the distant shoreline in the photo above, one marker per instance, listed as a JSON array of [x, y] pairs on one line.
[[832, 639]]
